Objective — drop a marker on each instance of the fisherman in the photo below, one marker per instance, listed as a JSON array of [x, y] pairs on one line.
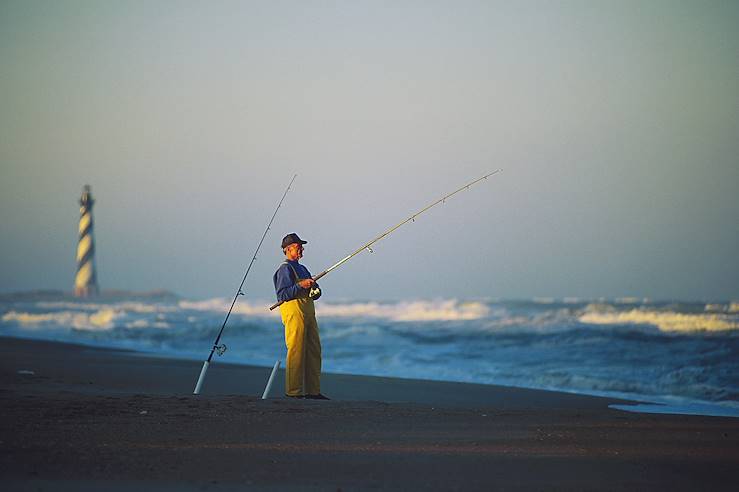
[[296, 291]]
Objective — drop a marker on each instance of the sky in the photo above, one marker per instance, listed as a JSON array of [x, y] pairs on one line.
[[616, 124]]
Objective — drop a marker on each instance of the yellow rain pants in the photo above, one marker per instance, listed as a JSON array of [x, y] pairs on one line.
[[303, 363]]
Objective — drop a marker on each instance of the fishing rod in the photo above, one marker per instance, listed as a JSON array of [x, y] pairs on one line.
[[392, 229], [239, 292]]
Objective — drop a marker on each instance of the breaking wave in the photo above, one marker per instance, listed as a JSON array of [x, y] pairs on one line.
[[421, 310], [98, 320], [440, 310], [221, 305], [668, 321]]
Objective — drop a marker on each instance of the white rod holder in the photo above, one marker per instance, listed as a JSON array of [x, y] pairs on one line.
[[270, 380], [201, 378]]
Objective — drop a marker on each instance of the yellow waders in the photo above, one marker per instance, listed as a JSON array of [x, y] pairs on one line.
[[303, 364]]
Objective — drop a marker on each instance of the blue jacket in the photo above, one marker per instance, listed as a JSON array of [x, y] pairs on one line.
[[284, 280]]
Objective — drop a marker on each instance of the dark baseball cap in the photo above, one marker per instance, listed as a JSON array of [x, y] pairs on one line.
[[290, 239]]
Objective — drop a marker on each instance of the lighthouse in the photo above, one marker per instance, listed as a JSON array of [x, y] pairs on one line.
[[85, 282]]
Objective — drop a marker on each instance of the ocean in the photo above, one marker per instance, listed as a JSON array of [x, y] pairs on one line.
[[682, 357]]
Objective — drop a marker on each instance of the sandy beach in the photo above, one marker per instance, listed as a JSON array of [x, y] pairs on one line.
[[82, 418]]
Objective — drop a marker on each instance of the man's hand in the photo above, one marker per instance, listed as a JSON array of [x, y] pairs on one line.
[[307, 283]]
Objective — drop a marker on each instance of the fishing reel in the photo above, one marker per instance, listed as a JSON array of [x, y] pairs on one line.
[[220, 349], [315, 293]]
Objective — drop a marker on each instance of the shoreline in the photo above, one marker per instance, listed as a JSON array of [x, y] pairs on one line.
[[89, 418], [220, 379], [622, 402]]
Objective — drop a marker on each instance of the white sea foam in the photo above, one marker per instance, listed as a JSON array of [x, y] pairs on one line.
[[143, 323], [438, 310], [715, 308], [102, 319], [130, 306], [441, 310], [221, 305], [631, 300], [547, 321], [667, 321]]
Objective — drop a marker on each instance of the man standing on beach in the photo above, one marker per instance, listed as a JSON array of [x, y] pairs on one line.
[[296, 290]]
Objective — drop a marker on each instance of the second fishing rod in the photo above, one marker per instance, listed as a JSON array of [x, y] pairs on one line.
[[368, 246], [220, 349]]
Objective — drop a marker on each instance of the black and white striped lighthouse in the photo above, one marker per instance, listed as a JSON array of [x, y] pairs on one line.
[[85, 282]]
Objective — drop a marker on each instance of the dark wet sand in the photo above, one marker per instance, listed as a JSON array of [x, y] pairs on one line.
[[95, 419]]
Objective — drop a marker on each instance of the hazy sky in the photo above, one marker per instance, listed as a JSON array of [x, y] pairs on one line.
[[616, 124]]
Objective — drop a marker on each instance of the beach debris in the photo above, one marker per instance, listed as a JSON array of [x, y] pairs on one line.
[[26, 372]]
